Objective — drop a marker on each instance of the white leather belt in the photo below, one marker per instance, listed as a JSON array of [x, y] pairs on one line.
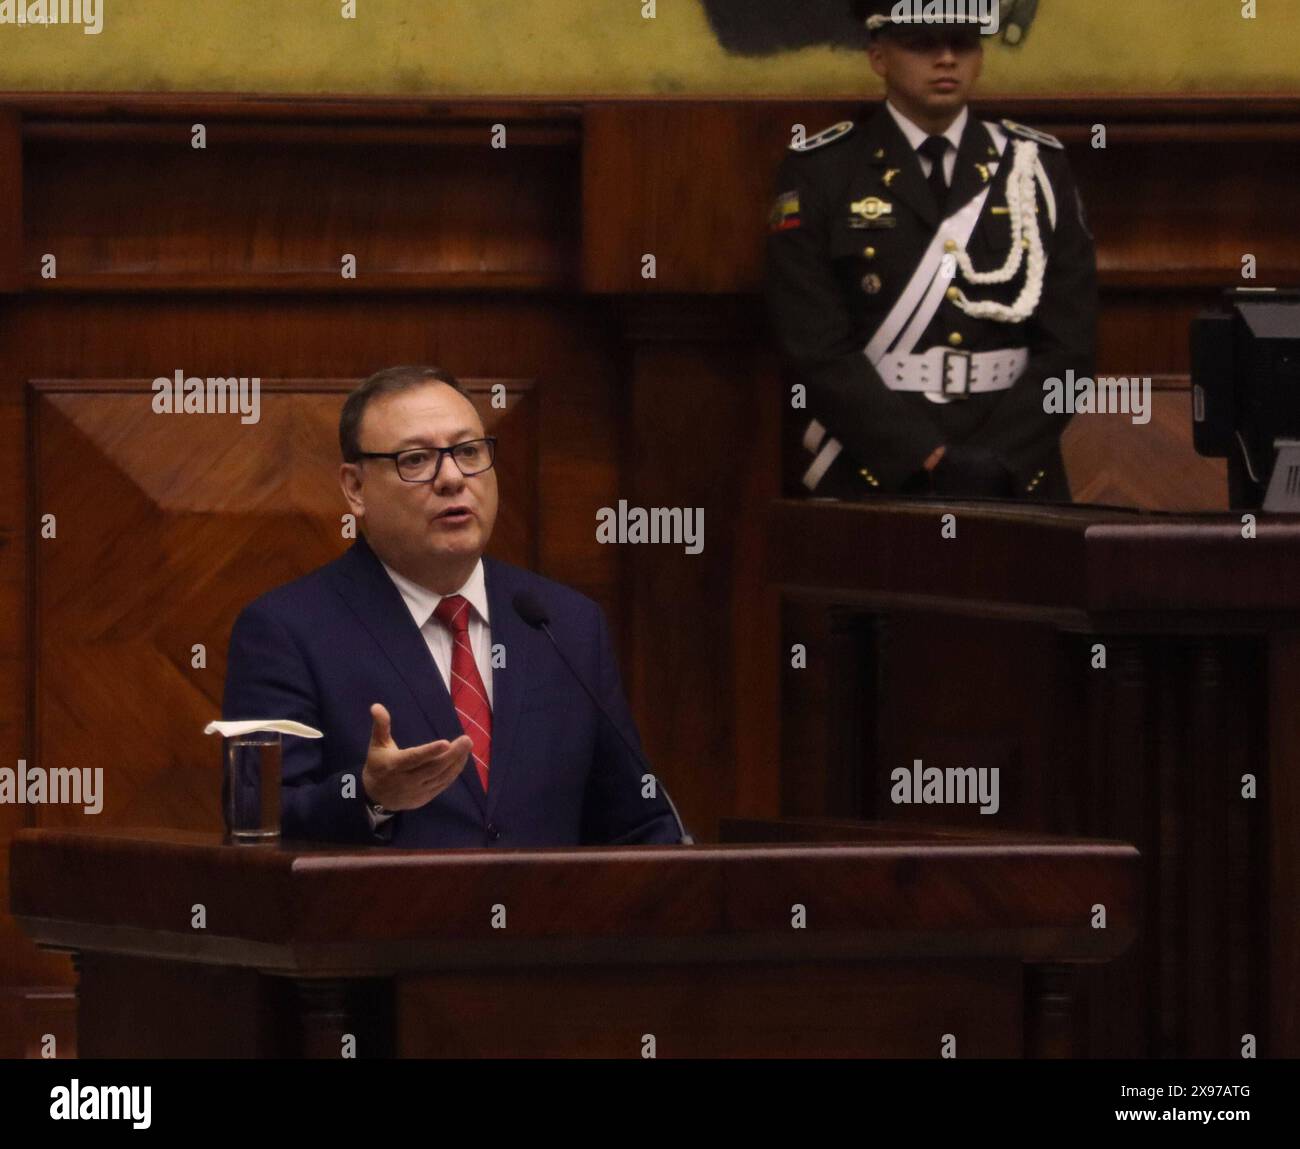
[[944, 371]]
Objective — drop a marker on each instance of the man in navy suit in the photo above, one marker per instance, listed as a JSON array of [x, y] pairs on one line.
[[448, 721]]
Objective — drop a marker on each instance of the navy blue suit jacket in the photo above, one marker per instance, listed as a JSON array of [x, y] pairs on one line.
[[325, 647]]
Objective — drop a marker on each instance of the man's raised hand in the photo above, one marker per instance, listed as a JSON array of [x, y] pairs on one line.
[[400, 779]]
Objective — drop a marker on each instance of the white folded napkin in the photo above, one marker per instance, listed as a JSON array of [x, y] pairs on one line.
[[283, 725]]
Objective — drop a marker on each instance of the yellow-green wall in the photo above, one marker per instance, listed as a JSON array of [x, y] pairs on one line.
[[595, 47]]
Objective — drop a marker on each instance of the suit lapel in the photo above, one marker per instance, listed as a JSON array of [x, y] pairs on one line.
[[974, 158], [379, 605], [508, 681], [888, 148]]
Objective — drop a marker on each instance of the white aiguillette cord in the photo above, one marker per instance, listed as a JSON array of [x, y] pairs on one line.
[[932, 278], [253, 725]]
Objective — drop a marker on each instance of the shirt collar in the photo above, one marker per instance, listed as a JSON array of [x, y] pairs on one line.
[[422, 602], [916, 137]]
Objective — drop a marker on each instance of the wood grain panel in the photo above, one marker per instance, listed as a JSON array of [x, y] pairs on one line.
[[909, 936], [881, 1009], [364, 912], [699, 439], [1166, 214], [18, 959], [643, 194], [14, 670], [995, 714], [1148, 332], [566, 347], [11, 199], [1112, 460], [281, 215], [32, 1015]]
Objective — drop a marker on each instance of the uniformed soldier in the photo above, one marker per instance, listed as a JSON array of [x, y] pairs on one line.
[[926, 273]]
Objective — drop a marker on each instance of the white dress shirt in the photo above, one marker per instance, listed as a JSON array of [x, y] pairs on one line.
[[917, 136], [422, 602]]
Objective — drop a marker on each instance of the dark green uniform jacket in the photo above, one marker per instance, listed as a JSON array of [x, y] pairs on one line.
[[833, 274]]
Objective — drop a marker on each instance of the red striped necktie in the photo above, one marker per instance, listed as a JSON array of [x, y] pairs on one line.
[[467, 693]]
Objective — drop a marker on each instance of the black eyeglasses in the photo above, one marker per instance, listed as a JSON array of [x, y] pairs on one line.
[[422, 464]]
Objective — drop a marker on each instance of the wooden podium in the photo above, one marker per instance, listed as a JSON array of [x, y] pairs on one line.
[[1133, 676], [189, 947]]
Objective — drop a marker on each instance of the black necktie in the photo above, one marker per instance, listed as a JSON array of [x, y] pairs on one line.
[[934, 149]]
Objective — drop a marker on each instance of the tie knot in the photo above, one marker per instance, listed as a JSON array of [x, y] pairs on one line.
[[934, 148], [453, 613]]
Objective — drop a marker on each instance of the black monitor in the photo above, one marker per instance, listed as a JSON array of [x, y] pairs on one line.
[[1246, 394]]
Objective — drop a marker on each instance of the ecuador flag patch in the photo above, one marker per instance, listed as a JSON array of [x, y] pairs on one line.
[[785, 212]]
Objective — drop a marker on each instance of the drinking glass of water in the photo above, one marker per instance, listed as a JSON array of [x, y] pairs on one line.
[[251, 787]]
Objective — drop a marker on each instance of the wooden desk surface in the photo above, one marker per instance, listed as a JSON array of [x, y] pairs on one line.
[[1084, 568], [314, 909]]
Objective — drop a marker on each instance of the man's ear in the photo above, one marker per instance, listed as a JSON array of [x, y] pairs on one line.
[[876, 54], [350, 482]]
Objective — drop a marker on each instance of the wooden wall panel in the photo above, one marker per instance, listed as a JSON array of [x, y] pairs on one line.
[[1146, 332], [36, 1021], [280, 211], [17, 962], [643, 193], [11, 199], [702, 439], [1166, 214], [563, 346], [13, 535]]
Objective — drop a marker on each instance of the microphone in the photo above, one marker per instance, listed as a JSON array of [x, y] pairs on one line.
[[535, 615]]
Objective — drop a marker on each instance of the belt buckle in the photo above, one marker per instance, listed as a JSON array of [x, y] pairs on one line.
[[963, 390]]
